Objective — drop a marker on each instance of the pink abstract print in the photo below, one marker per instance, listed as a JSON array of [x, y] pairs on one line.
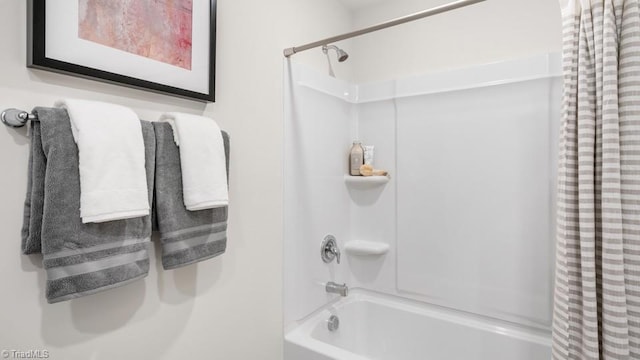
[[156, 29]]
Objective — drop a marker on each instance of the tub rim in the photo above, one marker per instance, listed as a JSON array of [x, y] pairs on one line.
[[300, 332]]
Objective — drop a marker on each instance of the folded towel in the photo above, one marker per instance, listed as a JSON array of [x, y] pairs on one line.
[[113, 184], [202, 159], [79, 259], [186, 236]]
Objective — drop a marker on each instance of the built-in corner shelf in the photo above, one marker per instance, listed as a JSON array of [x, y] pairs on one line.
[[366, 248], [365, 181]]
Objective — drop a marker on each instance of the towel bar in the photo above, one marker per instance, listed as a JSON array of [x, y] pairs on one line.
[[16, 118]]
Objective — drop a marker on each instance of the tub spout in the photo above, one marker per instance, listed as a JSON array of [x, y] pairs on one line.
[[333, 288]]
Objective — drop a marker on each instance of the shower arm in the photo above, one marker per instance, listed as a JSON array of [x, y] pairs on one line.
[[398, 21]]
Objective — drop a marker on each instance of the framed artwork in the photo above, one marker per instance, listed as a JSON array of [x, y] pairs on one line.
[[166, 46]]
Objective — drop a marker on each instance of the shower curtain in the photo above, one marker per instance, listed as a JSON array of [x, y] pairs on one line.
[[597, 287]]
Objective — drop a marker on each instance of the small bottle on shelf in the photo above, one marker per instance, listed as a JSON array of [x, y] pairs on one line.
[[356, 158]]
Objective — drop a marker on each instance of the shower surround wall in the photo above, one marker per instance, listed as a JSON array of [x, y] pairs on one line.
[[467, 213]]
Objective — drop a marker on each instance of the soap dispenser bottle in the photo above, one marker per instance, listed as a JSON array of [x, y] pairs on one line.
[[356, 158]]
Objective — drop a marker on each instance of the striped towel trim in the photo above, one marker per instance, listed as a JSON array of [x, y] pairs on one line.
[[90, 249], [209, 228], [188, 246], [181, 245], [60, 272]]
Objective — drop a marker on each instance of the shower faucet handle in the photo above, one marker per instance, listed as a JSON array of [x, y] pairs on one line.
[[336, 253], [329, 249]]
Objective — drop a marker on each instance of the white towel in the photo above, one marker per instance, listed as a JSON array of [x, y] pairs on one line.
[[113, 182], [202, 160]]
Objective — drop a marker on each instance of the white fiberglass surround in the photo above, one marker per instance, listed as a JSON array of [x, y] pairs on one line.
[[382, 327], [468, 213]]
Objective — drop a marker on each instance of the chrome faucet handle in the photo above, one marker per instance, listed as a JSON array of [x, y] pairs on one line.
[[329, 249]]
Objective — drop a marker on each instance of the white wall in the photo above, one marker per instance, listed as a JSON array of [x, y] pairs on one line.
[[226, 308], [494, 30]]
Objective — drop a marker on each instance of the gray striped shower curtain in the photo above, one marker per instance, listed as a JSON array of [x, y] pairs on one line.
[[597, 286]]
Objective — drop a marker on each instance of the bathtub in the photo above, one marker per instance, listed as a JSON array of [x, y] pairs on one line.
[[381, 327]]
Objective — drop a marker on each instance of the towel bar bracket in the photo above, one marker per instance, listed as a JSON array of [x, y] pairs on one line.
[[16, 118]]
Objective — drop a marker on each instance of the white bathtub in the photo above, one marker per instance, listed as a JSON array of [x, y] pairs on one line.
[[381, 327]]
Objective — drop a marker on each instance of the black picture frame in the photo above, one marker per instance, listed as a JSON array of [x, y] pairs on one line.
[[36, 58]]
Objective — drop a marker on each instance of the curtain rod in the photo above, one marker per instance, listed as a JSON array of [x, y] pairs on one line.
[[398, 21]]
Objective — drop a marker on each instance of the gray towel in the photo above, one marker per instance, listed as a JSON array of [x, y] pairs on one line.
[[186, 236], [79, 259]]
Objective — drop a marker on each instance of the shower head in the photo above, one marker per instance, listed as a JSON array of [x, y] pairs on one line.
[[342, 55]]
